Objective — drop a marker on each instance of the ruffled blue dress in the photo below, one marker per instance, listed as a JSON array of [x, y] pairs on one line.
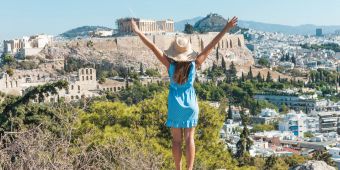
[[182, 101]]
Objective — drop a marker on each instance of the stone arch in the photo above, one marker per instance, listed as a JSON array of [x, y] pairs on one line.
[[239, 42], [226, 43], [231, 44]]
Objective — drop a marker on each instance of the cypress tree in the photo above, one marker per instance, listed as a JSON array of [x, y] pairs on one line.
[[244, 144], [250, 74], [233, 71], [259, 77], [242, 77], [269, 77], [230, 112]]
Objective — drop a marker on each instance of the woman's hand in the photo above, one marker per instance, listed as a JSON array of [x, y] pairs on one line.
[[232, 23], [134, 26]]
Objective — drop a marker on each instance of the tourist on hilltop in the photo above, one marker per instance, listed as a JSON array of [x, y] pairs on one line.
[[181, 62]]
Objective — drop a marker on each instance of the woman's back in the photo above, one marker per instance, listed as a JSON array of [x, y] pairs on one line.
[[182, 101], [189, 82]]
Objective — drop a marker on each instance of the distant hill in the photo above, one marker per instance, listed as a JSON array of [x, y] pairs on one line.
[[210, 23], [180, 25], [307, 29], [82, 31]]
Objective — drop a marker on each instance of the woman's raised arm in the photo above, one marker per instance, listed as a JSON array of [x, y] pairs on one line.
[[204, 54], [159, 53]]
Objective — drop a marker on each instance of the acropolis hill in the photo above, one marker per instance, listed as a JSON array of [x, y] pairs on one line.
[[129, 51]]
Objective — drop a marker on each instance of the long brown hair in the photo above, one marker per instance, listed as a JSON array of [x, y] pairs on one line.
[[181, 72]]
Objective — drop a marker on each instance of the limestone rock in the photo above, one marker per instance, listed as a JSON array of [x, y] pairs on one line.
[[313, 165], [130, 52]]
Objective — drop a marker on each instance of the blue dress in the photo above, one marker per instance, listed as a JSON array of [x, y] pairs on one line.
[[182, 101]]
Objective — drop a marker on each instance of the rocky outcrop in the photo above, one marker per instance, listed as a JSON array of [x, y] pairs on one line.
[[313, 165], [131, 52]]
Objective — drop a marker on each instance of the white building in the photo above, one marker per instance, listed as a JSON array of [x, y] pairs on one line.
[[27, 46], [266, 116], [294, 122]]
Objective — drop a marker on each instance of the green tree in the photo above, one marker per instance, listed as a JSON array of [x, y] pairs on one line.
[[10, 72], [250, 74], [8, 59], [224, 64], [269, 77], [264, 62], [308, 135], [284, 109], [262, 127], [233, 71], [152, 72], [245, 142], [230, 112], [259, 77], [323, 156], [141, 69], [188, 28], [12, 106]]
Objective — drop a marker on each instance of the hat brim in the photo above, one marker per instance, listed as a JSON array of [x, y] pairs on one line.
[[189, 55]]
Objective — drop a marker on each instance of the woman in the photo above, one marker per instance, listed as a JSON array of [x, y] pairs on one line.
[[181, 62]]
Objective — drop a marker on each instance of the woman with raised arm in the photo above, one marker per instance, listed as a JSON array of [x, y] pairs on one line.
[[181, 62]]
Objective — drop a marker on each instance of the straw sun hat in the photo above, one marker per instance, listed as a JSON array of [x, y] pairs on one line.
[[180, 50]]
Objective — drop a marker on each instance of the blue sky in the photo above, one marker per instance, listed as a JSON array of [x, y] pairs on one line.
[[26, 17]]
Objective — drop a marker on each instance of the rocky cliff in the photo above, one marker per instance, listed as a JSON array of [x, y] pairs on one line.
[[130, 52]]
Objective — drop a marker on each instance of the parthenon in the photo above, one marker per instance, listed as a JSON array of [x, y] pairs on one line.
[[146, 26]]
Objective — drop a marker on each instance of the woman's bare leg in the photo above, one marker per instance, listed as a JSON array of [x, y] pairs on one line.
[[189, 134], [177, 134]]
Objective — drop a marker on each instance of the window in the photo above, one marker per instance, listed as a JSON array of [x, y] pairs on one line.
[[87, 72], [87, 77], [72, 87], [90, 71], [90, 77], [78, 87]]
